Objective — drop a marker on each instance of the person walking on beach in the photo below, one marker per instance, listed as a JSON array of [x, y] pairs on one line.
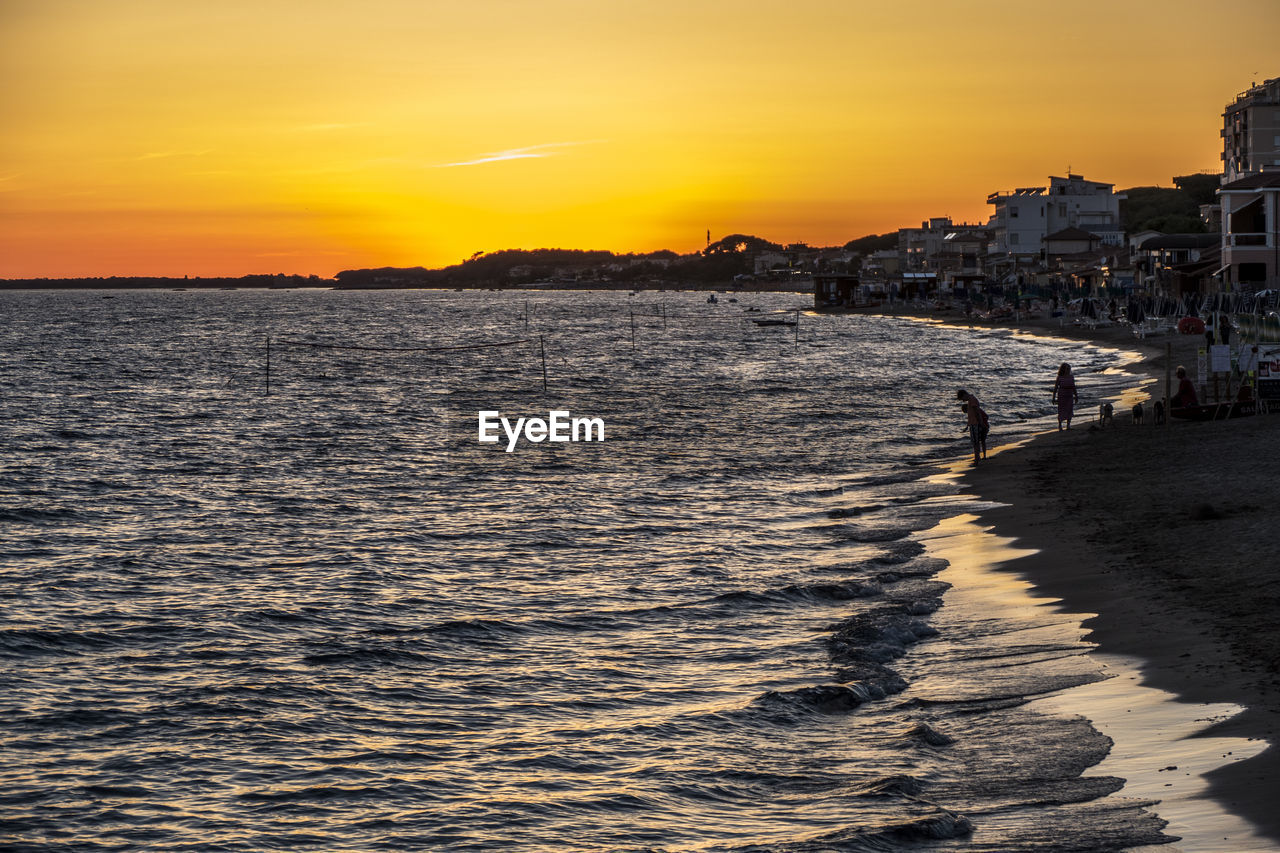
[[1065, 395], [977, 422]]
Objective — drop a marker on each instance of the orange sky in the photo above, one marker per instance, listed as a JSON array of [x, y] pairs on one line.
[[147, 137]]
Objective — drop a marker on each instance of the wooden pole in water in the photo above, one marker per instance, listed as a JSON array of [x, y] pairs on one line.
[[797, 327], [633, 330], [1168, 381], [664, 316], [526, 315], [543, 346], [268, 365]]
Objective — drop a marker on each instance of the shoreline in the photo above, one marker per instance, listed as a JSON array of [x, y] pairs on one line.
[[1162, 533], [1161, 747]]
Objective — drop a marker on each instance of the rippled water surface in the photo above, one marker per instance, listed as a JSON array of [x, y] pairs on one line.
[[329, 618]]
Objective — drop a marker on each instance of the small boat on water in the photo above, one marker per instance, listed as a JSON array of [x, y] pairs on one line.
[[788, 319], [1215, 411]]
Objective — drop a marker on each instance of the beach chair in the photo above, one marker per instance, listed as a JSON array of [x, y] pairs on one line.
[[1150, 326]]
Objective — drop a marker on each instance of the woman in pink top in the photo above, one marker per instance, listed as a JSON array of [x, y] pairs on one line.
[[1065, 395]]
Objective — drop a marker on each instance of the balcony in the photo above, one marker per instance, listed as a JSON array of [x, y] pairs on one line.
[[1247, 240]]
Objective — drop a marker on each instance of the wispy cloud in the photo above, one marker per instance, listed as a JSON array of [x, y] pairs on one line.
[[532, 152], [328, 127], [161, 155]]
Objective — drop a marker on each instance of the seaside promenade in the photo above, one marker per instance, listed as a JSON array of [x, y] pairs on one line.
[[1166, 532]]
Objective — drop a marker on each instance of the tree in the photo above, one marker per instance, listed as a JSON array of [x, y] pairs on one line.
[[1199, 188], [873, 243], [1162, 209], [741, 244]]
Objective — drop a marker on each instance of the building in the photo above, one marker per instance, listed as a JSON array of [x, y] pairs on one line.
[[919, 248], [1251, 132], [917, 245], [1070, 241], [1023, 218], [962, 257], [1177, 264], [1251, 231], [1018, 224], [768, 262], [883, 264], [1092, 206], [835, 290]]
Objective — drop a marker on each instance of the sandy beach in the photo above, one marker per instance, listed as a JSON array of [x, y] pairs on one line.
[[1165, 532]]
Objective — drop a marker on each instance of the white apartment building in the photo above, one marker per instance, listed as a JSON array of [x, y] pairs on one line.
[[1018, 224], [1251, 132], [1024, 217], [1088, 205]]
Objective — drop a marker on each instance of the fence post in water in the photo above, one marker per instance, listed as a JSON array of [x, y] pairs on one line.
[[543, 346]]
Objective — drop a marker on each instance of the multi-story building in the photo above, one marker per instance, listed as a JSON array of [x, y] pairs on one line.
[[1251, 132], [1018, 224], [1251, 231], [919, 248], [1023, 218], [1090, 206], [1250, 194]]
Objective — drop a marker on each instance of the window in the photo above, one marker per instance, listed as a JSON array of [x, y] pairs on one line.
[[1013, 239], [1013, 211]]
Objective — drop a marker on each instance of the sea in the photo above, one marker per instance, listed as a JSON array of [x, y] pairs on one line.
[[264, 588]]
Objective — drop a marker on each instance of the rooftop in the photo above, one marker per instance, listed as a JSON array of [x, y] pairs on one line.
[[1073, 233], [1268, 91], [1267, 179]]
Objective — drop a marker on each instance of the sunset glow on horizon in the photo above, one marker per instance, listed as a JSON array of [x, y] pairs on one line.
[[150, 138]]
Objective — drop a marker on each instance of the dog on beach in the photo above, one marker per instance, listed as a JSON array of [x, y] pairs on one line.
[[1106, 414], [1159, 409], [1137, 414]]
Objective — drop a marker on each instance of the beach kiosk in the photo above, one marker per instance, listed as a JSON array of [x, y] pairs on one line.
[[834, 290]]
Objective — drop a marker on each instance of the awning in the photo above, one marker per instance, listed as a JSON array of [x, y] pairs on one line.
[[1250, 198]]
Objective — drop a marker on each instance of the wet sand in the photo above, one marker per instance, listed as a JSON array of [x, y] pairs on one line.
[[1168, 533]]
